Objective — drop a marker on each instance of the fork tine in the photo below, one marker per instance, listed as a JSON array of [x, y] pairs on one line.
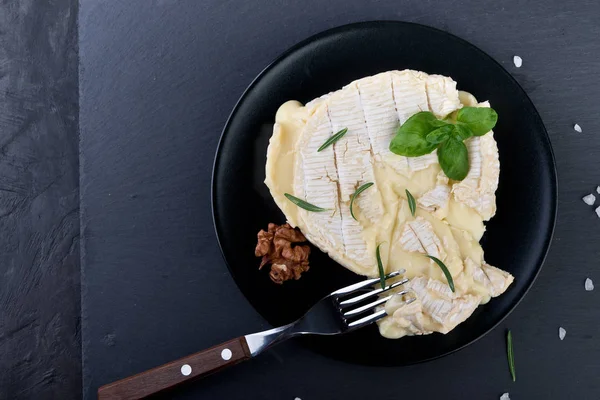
[[364, 284], [369, 306], [375, 292], [367, 320]]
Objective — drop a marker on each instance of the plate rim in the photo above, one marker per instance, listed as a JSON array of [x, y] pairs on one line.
[[366, 25]]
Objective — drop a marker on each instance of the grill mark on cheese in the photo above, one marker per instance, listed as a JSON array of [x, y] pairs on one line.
[[354, 166], [315, 188], [411, 97], [402, 161], [379, 111], [362, 107], [410, 94], [337, 181], [427, 95]]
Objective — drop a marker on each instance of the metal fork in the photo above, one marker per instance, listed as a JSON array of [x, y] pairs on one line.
[[334, 314]]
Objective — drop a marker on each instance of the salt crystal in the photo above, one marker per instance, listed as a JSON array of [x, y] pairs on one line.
[[589, 285], [562, 333], [598, 190], [518, 61], [590, 199], [577, 128], [505, 397], [598, 212]]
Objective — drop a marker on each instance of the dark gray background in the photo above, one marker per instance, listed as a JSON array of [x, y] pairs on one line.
[[39, 201], [158, 79]]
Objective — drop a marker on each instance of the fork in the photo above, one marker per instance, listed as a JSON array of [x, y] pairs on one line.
[[334, 314]]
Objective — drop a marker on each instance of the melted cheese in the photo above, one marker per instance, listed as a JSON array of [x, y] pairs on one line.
[[449, 219]]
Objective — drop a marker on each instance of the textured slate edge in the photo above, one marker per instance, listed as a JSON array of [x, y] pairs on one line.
[[39, 201]]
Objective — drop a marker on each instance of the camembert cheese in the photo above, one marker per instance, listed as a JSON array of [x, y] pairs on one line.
[[448, 223]]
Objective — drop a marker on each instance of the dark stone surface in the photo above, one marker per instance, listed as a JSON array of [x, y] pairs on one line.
[[39, 201], [158, 80]]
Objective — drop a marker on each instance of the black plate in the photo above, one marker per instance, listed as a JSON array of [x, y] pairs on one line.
[[517, 238]]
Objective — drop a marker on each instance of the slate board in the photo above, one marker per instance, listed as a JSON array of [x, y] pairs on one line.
[[158, 80], [40, 351]]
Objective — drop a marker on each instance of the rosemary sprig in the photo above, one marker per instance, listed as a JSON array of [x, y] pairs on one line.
[[412, 204], [511, 356], [303, 204], [358, 191], [380, 267], [333, 139], [444, 270]]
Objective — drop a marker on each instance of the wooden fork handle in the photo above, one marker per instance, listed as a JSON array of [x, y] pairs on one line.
[[177, 372]]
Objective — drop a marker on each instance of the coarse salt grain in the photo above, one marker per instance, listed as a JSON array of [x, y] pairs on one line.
[[598, 190], [505, 397], [577, 128], [562, 333], [590, 199], [518, 61], [598, 212], [589, 285]]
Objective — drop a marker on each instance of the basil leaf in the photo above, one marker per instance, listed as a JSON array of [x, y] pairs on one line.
[[480, 120], [303, 204], [333, 139], [444, 270], [423, 132], [410, 140], [380, 267], [461, 131], [454, 159], [411, 145], [511, 356], [412, 204], [440, 134], [358, 191], [438, 123]]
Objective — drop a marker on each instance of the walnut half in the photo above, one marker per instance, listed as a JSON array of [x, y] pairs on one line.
[[275, 248]]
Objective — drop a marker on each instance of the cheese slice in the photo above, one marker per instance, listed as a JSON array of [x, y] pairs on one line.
[[448, 223]]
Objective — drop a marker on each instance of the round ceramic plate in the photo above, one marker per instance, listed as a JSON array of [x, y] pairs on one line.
[[517, 238]]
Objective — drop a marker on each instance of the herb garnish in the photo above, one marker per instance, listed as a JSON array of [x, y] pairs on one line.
[[333, 139], [511, 356], [444, 270], [423, 133], [358, 191], [380, 267], [411, 202], [303, 204]]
